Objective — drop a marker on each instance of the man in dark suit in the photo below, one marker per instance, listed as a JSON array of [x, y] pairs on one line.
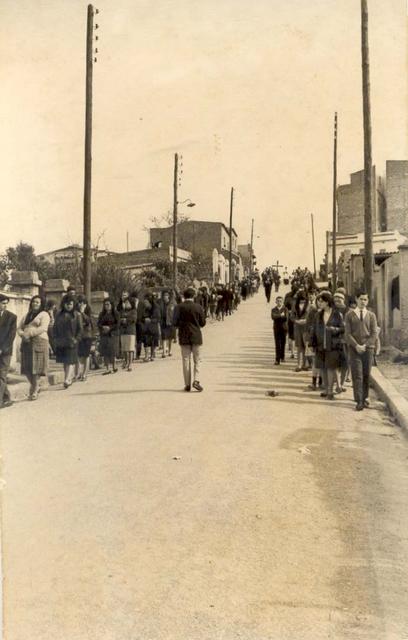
[[189, 317], [279, 315], [361, 337], [8, 327]]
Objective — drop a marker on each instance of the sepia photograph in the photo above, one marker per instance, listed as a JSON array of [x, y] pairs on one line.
[[210, 196]]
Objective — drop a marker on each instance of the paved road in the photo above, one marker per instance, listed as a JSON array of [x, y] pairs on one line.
[[282, 518]]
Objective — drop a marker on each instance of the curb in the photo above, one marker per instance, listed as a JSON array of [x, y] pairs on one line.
[[393, 399]]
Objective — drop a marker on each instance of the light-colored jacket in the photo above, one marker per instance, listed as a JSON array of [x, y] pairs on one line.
[[37, 328]]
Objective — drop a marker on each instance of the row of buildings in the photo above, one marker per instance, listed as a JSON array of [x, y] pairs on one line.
[[209, 240], [390, 244]]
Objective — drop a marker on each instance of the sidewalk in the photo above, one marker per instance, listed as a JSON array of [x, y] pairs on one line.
[[390, 381]]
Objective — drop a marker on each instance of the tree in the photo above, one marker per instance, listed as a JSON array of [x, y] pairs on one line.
[[21, 257], [108, 276], [166, 220]]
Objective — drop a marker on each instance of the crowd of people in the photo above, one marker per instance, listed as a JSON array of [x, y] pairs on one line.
[[333, 335], [330, 334], [135, 328]]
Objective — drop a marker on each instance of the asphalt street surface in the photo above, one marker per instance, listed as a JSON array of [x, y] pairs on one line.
[[135, 511]]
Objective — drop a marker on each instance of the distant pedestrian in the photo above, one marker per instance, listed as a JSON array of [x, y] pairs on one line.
[[67, 334], [267, 283], [279, 316], [168, 330], [151, 326], [8, 328], [213, 303], [108, 323], [361, 337], [33, 330], [189, 318], [87, 340]]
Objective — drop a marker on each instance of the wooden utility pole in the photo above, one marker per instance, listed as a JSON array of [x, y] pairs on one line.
[[368, 163], [252, 249], [230, 237], [127, 241], [334, 233], [175, 203], [314, 250], [87, 259]]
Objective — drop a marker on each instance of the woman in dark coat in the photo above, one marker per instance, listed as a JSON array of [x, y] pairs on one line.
[[127, 329], [151, 326], [67, 334], [108, 324], [326, 338], [87, 341]]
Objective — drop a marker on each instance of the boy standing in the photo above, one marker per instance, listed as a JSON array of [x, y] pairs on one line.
[[279, 316], [361, 336]]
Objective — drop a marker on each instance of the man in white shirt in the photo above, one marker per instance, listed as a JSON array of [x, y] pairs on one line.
[[361, 336]]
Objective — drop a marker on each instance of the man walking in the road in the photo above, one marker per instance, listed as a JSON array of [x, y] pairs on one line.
[[8, 328], [189, 317], [361, 336], [279, 316]]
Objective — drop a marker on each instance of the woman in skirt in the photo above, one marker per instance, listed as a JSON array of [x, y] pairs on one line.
[[33, 330], [108, 323], [168, 330], [67, 334], [326, 338], [87, 340], [127, 329], [299, 317]]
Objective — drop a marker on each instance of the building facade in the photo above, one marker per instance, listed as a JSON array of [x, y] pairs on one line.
[[396, 195], [350, 205], [134, 262], [210, 239]]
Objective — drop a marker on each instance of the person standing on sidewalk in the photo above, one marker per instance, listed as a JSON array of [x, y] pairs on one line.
[[189, 318], [279, 315], [326, 339], [108, 324], [361, 337], [67, 333], [87, 339], [8, 328], [33, 330]]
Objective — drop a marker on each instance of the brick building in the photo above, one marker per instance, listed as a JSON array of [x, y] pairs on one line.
[[350, 202], [210, 239], [134, 262], [396, 195]]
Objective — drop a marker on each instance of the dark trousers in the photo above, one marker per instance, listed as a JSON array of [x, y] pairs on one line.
[[280, 341], [268, 290], [4, 369], [139, 338], [360, 366]]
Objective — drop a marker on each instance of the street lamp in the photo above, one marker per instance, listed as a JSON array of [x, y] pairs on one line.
[[175, 216], [190, 203]]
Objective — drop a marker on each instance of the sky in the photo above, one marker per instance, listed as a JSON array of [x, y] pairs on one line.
[[244, 90]]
